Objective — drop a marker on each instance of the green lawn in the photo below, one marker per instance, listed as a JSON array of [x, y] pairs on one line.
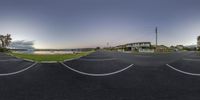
[[49, 57]]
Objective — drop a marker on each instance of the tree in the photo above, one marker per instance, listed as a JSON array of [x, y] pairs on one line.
[[2, 41], [5, 40], [97, 48]]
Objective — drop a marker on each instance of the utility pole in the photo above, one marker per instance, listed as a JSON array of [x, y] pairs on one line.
[[156, 37], [107, 44]]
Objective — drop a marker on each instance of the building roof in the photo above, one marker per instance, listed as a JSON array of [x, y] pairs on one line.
[[138, 43], [122, 46]]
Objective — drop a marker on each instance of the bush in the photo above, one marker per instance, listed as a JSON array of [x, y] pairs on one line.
[[3, 50], [97, 48]]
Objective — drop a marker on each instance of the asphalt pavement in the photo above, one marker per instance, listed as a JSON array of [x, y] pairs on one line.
[[149, 78]]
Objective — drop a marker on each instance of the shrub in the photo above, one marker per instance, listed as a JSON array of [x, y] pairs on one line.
[[3, 50]]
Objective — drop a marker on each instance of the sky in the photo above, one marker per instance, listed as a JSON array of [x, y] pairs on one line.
[[59, 24]]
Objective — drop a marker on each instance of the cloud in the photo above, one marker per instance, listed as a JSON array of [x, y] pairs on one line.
[[22, 44]]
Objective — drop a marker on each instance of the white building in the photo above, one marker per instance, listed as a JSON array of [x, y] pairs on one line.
[[138, 46]]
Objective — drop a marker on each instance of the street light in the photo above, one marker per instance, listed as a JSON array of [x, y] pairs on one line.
[[156, 37]]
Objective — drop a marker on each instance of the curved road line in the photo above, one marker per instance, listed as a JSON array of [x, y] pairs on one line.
[[20, 71], [183, 72], [90, 74], [84, 59]]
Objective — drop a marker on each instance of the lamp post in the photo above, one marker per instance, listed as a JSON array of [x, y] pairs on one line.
[[156, 37], [107, 44]]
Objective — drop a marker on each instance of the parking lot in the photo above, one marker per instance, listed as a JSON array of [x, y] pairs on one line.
[[103, 75]]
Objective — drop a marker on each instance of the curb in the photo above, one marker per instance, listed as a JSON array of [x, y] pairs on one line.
[[75, 58], [71, 59], [48, 62], [22, 58], [27, 60]]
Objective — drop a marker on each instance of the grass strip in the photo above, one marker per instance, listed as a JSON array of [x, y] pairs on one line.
[[49, 57]]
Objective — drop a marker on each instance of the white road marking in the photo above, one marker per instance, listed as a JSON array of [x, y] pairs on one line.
[[90, 74], [84, 59], [20, 71], [183, 72], [192, 59]]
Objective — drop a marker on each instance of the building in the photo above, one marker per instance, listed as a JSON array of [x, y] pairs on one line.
[[120, 48], [137, 46], [180, 47], [198, 42], [177, 48], [162, 48]]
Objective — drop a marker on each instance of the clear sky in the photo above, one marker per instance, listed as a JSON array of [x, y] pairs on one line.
[[91, 23]]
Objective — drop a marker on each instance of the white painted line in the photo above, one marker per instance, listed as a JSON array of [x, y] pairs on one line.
[[84, 59], [192, 59], [183, 72], [90, 74], [20, 71]]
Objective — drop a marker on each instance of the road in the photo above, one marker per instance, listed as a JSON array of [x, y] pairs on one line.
[[145, 77]]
